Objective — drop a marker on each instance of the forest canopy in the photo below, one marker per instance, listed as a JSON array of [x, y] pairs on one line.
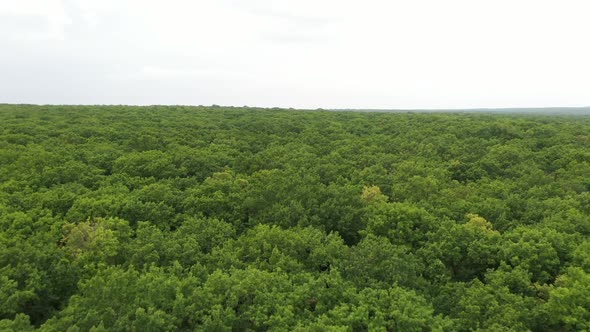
[[177, 218]]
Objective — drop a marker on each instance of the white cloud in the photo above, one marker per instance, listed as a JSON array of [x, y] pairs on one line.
[[328, 53], [167, 73], [34, 19]]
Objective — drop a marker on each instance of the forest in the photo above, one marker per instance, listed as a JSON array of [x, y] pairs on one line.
[[195, 218]]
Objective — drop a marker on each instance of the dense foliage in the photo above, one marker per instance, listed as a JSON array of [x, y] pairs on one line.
[[214, 219]]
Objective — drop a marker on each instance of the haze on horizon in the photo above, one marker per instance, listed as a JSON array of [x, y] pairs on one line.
[[302, 54]]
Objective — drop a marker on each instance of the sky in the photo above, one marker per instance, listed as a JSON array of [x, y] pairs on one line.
[[299, 53]]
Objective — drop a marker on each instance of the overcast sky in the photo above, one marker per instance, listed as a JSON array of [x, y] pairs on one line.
[[297, 53]]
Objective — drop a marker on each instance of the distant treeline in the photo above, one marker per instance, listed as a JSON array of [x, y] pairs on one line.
[[528, 110]]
